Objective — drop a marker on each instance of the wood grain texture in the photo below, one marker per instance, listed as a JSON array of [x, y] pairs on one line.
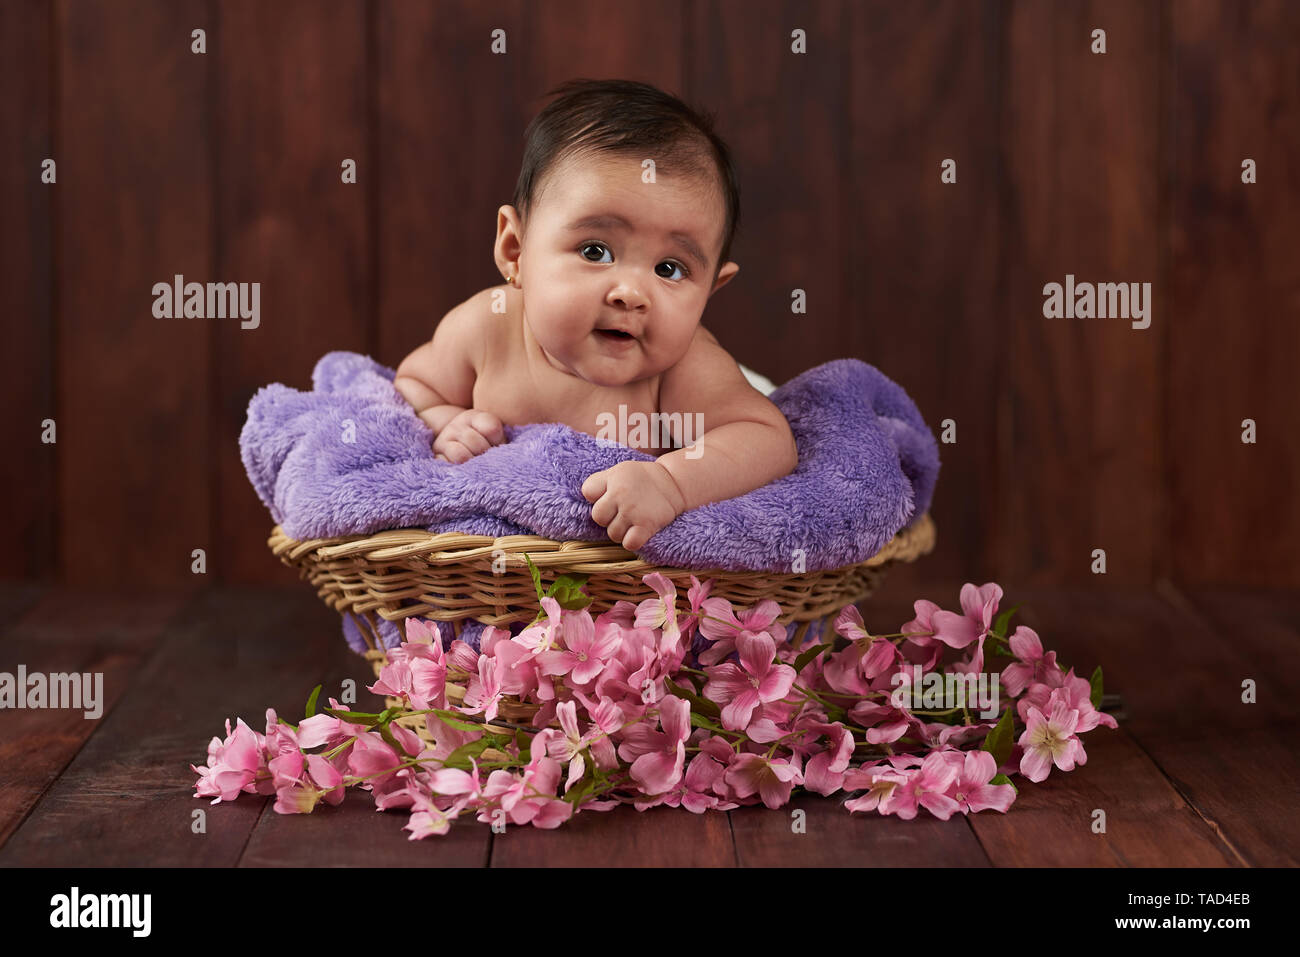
[[923, 257], [1149, 822], [27, 484], [1234, 93], [57, 635], [353, 834], [1181, 683], [449, 120], [834, 837], [291, 105], [1073, 434], [784, 116], [134, 207], [127, 799], [1192, 778], [1080, 452], [621, 837]]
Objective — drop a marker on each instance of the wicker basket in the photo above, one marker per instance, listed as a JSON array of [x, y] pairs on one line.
[[455, 578]]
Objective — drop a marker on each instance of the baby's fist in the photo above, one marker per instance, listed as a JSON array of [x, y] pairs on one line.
[[470, 433], [633, 500]]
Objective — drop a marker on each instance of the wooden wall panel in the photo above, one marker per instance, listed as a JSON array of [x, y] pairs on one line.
[[1233, 349], [1073, 434], [134, 206], [784, 116], [292, 101], [1080, 460], [921, 255], [27, 483], [450, 121]]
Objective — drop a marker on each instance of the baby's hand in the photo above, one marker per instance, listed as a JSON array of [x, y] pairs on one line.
[[470, 433], [633, 500]]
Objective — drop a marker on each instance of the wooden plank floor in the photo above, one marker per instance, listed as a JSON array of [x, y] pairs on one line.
[[1193, 776]]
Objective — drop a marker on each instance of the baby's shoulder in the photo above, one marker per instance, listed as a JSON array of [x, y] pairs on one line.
[[706, 369], [481, 322]]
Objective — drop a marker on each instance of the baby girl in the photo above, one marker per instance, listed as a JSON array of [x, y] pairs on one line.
[[622, 221]]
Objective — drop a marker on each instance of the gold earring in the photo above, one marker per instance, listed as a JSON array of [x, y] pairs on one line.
[[510, 280]]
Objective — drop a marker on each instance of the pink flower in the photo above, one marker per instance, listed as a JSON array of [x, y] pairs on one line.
[[926, 787], [740, 688], [301, 795], [972, 790], [587, 647], [880, 781], [499, 673], [1050, 740], [1075, 691], [428, 664], [483, 694], [233, 765], [1032, 664], [394, 679], [371, 755], [772, 778], [979, 606], [568, 746], [660, 612], [658, 756], [884, 723], [541, 638], [722, 626], [319, 729], [701, 787], [529, 798], [695, 596], [825, 770], [427, 818], [876, 654], [921, 647]]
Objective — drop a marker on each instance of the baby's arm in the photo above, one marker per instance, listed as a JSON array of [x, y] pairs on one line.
[[747, 441], [437, 379]]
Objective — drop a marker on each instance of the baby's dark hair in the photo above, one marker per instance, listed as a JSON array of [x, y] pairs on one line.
[[625, 117]]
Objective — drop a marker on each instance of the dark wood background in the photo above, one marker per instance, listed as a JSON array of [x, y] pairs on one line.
[[1072, 434]]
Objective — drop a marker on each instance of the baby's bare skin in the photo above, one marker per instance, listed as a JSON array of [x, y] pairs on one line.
[[519, 385], [601, 331], [509, 377]]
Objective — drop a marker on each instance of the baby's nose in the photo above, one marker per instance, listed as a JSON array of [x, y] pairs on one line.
[[628, 296]]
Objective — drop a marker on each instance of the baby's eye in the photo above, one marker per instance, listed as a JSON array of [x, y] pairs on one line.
[[672, 265], [586, 246]]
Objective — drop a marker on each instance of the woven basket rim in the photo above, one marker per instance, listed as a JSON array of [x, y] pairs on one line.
[[451, 548]]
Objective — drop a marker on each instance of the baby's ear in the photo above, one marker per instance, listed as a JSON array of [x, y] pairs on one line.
[[725, 275]]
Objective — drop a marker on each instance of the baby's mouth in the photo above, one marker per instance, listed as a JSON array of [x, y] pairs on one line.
[[614, 335]]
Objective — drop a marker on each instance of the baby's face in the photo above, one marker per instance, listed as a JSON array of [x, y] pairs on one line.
[[605, 253]]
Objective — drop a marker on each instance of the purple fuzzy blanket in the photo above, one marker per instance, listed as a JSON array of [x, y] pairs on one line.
[[352, 457]]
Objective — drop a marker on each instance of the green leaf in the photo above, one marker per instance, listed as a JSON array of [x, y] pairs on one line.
[[537, 578], [699, 721], [460, 757], [702, 704], [999, 741], [311, 702], [524, 742], [355, 717], [567, 592], [386, 733], [801, 662], [1095, 683], [1003, 620], [1003, 779], [452, 720]]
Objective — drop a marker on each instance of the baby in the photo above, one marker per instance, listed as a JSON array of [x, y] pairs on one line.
[[622, 221]]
